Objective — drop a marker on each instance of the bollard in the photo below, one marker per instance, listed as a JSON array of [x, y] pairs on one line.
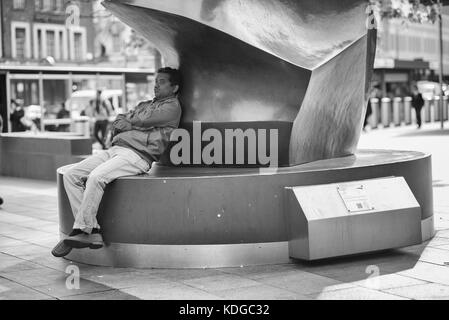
[[435, 116], [82, 126], [397, 106], [425, 112], [408, 110], [445, 111], [374, 119], [385, 112]]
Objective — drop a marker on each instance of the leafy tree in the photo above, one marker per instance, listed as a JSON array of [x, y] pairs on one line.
[[408, 10]]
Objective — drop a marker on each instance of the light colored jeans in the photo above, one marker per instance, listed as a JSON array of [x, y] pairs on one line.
[[85, 181]]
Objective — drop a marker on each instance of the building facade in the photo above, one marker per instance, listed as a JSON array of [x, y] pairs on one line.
[[409, 52], [56, 29], [48, 58]]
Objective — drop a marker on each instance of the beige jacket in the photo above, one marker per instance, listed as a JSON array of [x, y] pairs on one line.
[[152, 124]]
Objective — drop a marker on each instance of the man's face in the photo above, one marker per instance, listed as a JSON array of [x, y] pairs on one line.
[[163, 88]]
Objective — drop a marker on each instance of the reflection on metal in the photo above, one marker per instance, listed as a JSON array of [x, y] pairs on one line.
[[123, 255], [307, 62]]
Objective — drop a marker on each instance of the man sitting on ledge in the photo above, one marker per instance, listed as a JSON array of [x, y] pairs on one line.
[[139, 138]]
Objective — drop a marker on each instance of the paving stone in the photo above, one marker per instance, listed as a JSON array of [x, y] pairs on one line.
[[126, 279], [169, 291], [184, 274], [19, 265], [444, 247], [299, 282], [48, 243], [437, 242], [6, 217], [60, 289], [261, 271], [10, 262], [443, 234], [51, 262], [435, 256], [220, 282], [10, 242], [8, 230], [37, 224], [259, 292], [87, 271], [104, 295], [25, 251], [10, 290], [388, 281], [428, 272], [37, 277], [355, 293], [422, 291]]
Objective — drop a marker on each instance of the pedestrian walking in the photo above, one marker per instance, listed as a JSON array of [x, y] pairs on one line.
[[101, 113], [417, 104]]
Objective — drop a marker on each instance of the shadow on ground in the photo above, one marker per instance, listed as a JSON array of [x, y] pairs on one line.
[[356, 267]]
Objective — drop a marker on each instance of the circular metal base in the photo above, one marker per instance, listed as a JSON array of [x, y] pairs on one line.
[[209, 217]]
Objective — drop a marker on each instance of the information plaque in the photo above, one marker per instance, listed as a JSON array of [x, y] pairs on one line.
[[355, 198]]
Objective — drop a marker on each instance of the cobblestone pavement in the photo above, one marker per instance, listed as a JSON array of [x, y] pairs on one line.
[[29, 229]]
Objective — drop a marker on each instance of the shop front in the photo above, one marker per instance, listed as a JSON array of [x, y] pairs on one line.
[[63, 99]]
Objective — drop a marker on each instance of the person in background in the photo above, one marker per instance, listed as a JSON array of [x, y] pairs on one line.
[[63, 113], [101, 114], [417, 104], [373, 94], [17, 117]]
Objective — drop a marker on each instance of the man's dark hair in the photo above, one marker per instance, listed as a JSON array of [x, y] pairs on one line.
[[175, 75]]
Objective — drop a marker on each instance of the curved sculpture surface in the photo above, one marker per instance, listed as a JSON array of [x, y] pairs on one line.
[[307, 62]]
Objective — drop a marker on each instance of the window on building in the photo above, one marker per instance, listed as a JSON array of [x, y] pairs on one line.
[[403, 43], [446, 46], [50, 40], [59, 5], [430, 45], [45, 5], [18, 4], [48, 4], [20, 43], [38, 5], [78, 45], [62, 46], [39, 44], [414, 44], [50, 36]]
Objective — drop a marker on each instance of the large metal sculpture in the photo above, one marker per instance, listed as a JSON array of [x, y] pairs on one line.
[[308, 62], [300, 66]]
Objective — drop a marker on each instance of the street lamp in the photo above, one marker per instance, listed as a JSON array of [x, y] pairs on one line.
[[440, 32]]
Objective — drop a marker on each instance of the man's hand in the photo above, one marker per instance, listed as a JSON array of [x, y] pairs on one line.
[[120, 124]]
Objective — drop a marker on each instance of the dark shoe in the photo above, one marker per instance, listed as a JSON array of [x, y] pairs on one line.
[[76, 232], [96, 245], [84, 240], [61, 249]]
